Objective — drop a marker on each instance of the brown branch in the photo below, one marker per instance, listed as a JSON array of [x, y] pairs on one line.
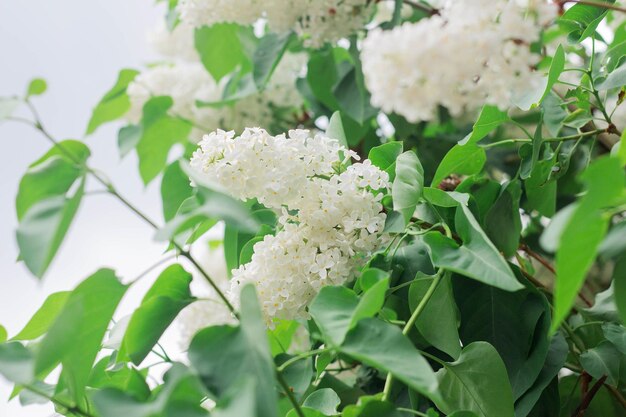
[[580, 410], [594, 4]]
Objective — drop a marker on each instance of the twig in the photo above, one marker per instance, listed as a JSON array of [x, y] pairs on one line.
[[580, 410], [593, 3]]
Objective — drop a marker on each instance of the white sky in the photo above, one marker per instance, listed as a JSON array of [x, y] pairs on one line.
[[77, 46]]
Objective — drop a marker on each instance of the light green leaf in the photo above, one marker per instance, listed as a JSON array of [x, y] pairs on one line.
[[36, 87], [616, 79], [52, 175], [335, 129], [115, 102], [462, 160], [222, 355], [324, 400], [620, 149], [383, 346], [175, 189], [164, 300], [605, 359], [16, 363], [556, 69], [408, 185], [160, 131], [384, 157], [3, 334], [489, 119], [7, 106], [268, 54], [584, 231], [41, 321], [477, 258], [581, 20], [476, 382], [43, 227], [85, 318], [221, 49]]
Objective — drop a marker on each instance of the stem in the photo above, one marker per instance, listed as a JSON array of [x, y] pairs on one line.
[[420, 6], [409, 324], [60, 403], [289, 394], [299, 357], [408, 410], [595, 4], [556, 139], [580, 410]]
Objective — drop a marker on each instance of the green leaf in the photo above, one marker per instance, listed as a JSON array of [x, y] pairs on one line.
[[476, 382], [616, 79], [84, 318], [41, 321], [52, 175], [222, 355], [489, 119], [337, 309], [36, 87], [221, 49], [605, 359], [179, 395], [213, 203], [556, 69], [324, 400], [3, 334], [7, 106], [353, 98], [614, 56], [268, 54], [504, 215], [620, 150], [115, 102], [515, 324], [408, 184], [462, 160], [619, 281], [335, 129], [581, 20], [164, 300], [384, 347], [557, 353], [160, 132], [43, 227], [477, 258], [584, 231], [384, 157], [16, 363], [438, 322], [175, 189], [127, 138]]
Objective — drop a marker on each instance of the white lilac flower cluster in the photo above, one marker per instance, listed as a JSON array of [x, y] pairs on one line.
[[318, 21], [331, 212], [184, 78], [473, 52]]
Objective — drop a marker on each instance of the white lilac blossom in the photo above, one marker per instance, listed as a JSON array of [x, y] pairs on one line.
[[318, 21], [473, 52], [175, 44], [331, 216], [188, 83]]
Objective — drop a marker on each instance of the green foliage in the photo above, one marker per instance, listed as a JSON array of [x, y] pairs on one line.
[[407, 185], [37, 87], [115, 102], [222, 49]]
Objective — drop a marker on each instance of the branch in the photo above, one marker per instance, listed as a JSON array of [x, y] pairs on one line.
[[431, 11], [594, 4], [580, 410]]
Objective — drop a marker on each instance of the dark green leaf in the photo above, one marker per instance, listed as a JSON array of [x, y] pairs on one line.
[[504, 215], [489, 119], [127, 138], [384, 347], [476, 382], [164, 300], [477, 258], [605, 359]]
